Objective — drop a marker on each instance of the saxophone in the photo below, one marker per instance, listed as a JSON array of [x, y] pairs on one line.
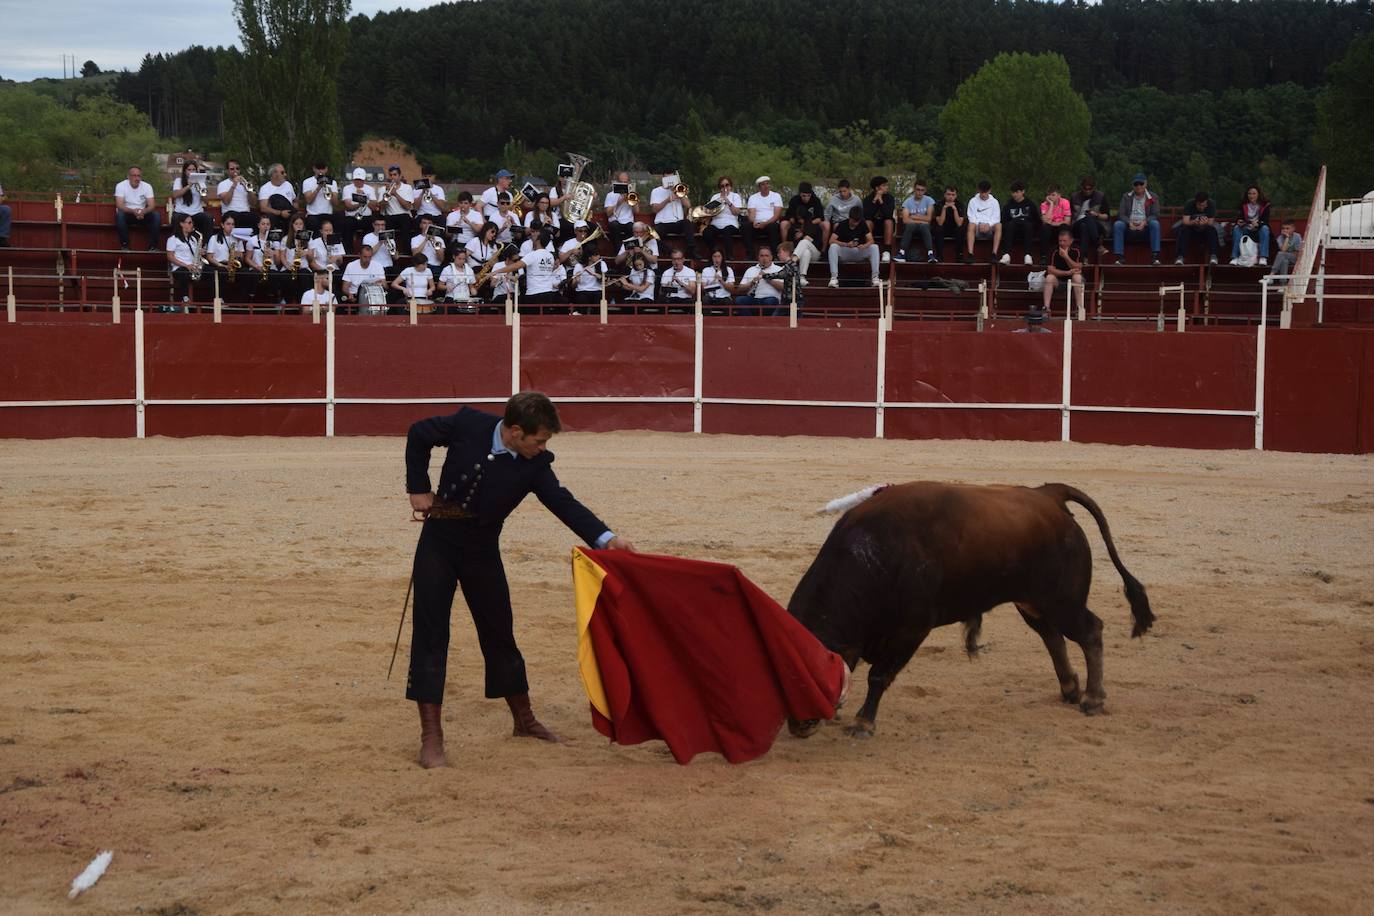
[[232, 269], [197, 257]]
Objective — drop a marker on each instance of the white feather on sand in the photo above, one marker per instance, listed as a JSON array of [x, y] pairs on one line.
[[86, 880]]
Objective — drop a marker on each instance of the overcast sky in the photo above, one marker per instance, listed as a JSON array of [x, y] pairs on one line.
[[116, 35]]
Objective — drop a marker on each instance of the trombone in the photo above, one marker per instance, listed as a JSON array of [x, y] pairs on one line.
[[680, 190]]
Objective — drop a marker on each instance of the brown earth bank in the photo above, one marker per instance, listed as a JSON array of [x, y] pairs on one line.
[[194, 637]]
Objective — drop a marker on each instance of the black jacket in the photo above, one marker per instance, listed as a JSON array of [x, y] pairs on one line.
[[490, 486]]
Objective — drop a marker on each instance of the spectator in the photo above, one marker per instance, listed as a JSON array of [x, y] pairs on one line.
[[1021, 218], [917, 211], [5, 216], [761, 285], [878, 210], [1088, 208], [1035, 322], [804, 226], [1065, 266], [765, 210], [949, 222], [135, 202], [1055, 214], [1290, 246], [984, 219], [837, 210], [1253, 222], [1199, 219], [720, 232], [189, 198], [852, 241], [1137, 218]]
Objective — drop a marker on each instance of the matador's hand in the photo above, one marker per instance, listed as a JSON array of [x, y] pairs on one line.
[[421, 502], [620, 543]]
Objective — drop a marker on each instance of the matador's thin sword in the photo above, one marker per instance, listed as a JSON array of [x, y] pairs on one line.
[[400, 626]]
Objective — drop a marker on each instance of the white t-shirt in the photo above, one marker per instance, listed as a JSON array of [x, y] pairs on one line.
[[285, 189], [365, 191], [650, 246], [551, 219], [135, 197], [326, 297], [588, 277], [672, 211], [416, 282], [399, 202], [528, 245], [197, 204], [458, 283], [479, 253], [180, 249], [423, 244], [764, 205], [254, 249], [380, 253], [355, 275], [621, 211], [436, 192], [320, 206], [542, 272], [489, 209], [765, 289], [686, 276], [218, 249], [238, 201], [711, 279], [504, 224], [464, 227], [643, 276], [321, 254], [983, 211], [725, 218]]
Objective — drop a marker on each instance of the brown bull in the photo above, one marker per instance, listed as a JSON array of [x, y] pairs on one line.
[[922, 555]]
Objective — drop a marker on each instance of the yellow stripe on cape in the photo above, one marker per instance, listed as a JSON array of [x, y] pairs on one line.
[[587, 579]]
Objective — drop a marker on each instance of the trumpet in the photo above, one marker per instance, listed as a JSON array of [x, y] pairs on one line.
[[632, 197], [653, 233], [680, 190]]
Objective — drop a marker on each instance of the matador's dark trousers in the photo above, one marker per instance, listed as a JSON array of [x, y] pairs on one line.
[[454, 552]]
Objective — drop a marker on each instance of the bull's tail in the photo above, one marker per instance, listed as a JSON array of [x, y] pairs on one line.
[[1135, 592], [845, 503]]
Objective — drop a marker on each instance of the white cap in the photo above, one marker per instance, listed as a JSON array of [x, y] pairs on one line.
[[761, 179], [580, 224], [360, 172]]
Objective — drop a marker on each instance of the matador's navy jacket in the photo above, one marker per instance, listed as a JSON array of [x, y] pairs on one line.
[[490, 486]]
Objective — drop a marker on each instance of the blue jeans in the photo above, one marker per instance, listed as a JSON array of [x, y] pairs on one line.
[[1120, 233], [5, 222], [775, 310], [151, 218], [1263, 240]]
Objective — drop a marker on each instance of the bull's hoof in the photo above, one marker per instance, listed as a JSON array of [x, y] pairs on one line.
[[1092, 706], [803, 728], [862, 728], [1071, 693]]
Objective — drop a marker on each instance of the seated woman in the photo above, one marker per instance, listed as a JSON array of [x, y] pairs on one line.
[[1253, 222], [183, 249], [188, 199], [637, 287]]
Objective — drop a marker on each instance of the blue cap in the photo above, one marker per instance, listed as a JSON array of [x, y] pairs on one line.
[[504, 174], [1139, 176]]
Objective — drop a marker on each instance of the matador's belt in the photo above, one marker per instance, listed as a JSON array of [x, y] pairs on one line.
[[442, 510]]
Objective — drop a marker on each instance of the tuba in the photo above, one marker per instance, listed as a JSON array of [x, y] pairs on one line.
[[580, 199]]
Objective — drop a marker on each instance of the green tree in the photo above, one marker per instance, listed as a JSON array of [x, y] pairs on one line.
[[745, 160], [280, 95], [89, 69], [692, 163], [1345, 134], [859, 152], [53, 147], [1017, 117]]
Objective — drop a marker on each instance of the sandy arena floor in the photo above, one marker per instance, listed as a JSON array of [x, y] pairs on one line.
[[194, 638]]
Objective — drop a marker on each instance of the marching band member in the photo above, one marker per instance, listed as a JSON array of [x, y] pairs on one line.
[[717, 281], [543, 216], [587, 279], [326, 253], [188, 197], [639, 283], [490, 195], [294, 256], [574, 244], [464, 221], [397, 200], [416, 282], [358, 198], [761, 285], [458, 280], [431, 201], [181, 256], [543, 273], [362, 272], [724, 226], [765, 210], [670, 210], [320, 294], [277, 197], [261, 252], [381, 252], [620, 215], [646, 243], [222, 248], [426, 244], [504, 285], [320, 193], [506, 217], [678, 283], [482, 246], [233, 196]]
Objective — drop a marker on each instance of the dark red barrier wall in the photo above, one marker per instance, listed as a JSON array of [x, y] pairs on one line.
[[1213, 371], [1319, 391], [964, 368], [65, 360]]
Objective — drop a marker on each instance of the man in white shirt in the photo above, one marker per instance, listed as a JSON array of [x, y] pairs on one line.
[[574, 244], [431, 201], [321, 194], [765, 210], [490, 195], [234, 197], [506, 217], [136, 203], [464, 221], [670, 211], [761, 285], [397, 200], [678, 282], [277, 198], [321, 294], [381, 252], [424, 242], [363, 271], [543, 273], [358, 198], [984, 215], [620, 215]]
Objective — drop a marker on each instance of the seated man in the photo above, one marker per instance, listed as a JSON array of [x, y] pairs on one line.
[[1088, 212], [365, 271], [852, 241], [277, 197], [765, 213], [678, 282], [670, 211], [804, 225], [761, 285], [430, 245], [984, 219], [837, 211], [1199, 220], [136, 203], [917, 211], [1020, 219], [321, 294], [949, 222], [1137, 219], [325, 253], [878, 210], [1289, 245], [4, 220]]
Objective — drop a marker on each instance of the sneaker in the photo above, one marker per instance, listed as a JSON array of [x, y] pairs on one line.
[[1263, 262], [1120, 260], [1154, 259], [1005, 259], [931, 259], [1213, 260], [1234, 262], [834, 283], [901, 254], [154, 248], [873, 281], [1027, 260], [123, 247], [968, 259], [805, 282], [1178, 262], [887, 257]]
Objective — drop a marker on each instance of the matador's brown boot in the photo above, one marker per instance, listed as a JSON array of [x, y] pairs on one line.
[[431, 736], [526, 725]]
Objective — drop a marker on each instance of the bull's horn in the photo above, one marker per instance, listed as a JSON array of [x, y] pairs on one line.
[[845, 503]]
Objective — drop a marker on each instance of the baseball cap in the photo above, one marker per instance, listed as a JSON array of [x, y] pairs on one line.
[[1139, 176], [505, 174], [360, 172], [580, 224]]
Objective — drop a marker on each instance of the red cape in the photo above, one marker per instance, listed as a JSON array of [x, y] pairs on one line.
[[695, 654]]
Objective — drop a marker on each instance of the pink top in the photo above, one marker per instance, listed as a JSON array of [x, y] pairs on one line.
[[1060, 214]]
